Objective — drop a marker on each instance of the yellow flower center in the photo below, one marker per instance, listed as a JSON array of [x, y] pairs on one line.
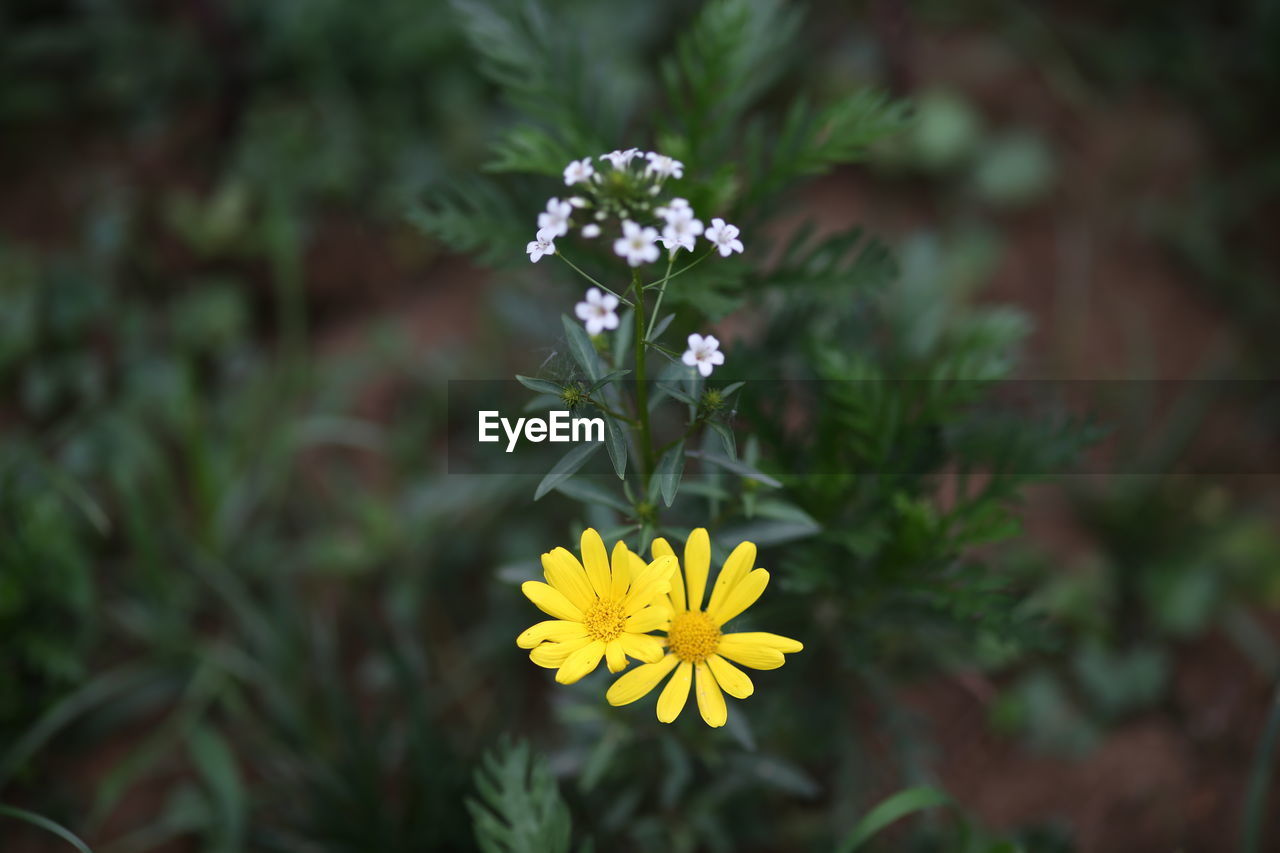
[[693, 637], [605, 620]]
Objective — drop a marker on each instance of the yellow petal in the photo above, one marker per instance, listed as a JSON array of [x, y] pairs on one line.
[[563, 571], [661, 548], [750, 654], [734, 681], [551, 601], [621, 565], [552, 655], [596, 560], [649, 584], [764, 638], [734, 570], [676, 693], [643, 647], [552, 630], [697, 562], [710, 699], [641, 597], [614, 656], [581, 662], [639, 681], [648, 619], [741, 596]]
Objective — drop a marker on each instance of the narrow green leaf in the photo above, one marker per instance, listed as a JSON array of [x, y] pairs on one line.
[[737, 466], [45, 824], [660, 327], [726, 436], [607, 378], [668, 473], [542, 386], [587, 492], [217, 765], [566, 467], [672, 391], [890, 810], [615, 439], [581, 348]]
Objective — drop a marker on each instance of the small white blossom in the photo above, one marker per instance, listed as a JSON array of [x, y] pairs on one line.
[[578, 171], [577, 201], [590, 230], [703, 353], [673, 208], [663, 166], [556, 218], [724, 237], [636, 244], [544, 245], [621, 159], [681, 228], [598, 311]]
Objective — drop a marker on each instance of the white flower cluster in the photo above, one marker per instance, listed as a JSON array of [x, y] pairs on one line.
[[630, 196]]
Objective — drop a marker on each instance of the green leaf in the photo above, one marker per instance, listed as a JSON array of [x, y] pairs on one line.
[[668, 472], [217, 765], [615, 440], [590, 493], [890, 810], [606, 379], [672, 391], [566, 467], [737, 466], [542, 386], [45, 824], [660, 327], [520, 809], [581, 349], [726, 436]]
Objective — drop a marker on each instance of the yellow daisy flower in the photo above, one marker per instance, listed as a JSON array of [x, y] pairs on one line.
[[603, 607], [698, 652]]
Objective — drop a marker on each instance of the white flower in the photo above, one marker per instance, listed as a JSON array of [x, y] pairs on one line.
[[636, 244], [544, 245], [673, 208], [724, 237], [621, 159], [578, 171], [597, 312], [590, 230], [577, 201], [703, 353], [681, 228], [663, 166], [556, 219]]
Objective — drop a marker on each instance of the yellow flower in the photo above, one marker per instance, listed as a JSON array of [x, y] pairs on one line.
[[602, 608], [698, 652]]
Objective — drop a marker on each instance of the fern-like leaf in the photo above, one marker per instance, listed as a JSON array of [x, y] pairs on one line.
[[520, 809]]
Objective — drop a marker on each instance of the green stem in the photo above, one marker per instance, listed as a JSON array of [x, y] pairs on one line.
[[662, 291], [624, 300], [684, 269], [610, 412], [642, 387]]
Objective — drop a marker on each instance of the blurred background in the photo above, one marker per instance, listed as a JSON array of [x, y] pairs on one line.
[[242, 606]]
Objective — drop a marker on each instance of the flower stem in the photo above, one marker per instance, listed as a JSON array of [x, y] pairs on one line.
[[624, 300], [642, 387], [684, 269], [662, 291]]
